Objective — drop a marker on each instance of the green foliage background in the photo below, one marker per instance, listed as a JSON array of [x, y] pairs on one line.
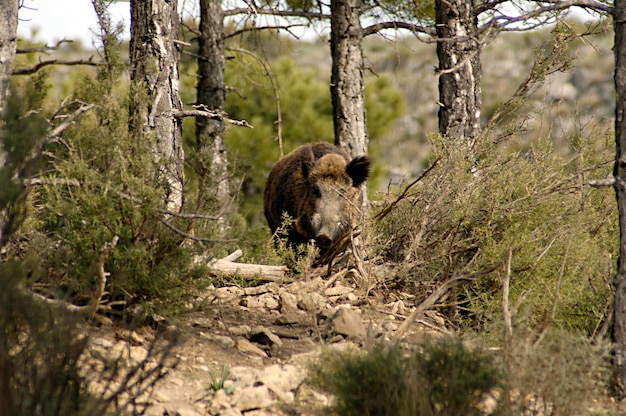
[[527, 195]]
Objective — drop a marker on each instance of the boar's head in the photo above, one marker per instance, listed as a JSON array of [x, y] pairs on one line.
[[332, 197]]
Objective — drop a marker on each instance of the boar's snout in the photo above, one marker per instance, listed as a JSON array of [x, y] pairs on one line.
[[328, 232], [323, 241]]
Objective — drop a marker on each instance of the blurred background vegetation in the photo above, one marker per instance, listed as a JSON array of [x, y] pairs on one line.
[[521, 198], [530, 195]]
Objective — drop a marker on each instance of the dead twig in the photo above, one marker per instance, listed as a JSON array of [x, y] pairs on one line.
[[334, 278], [382, 214], [506, 313], [601, 183], [102, 275], [43, 49], [33, 69], [426, 304], [58, 130], [193, 237], [435, 296], [94, 306], [548, 319], [210, 114], [272, 79]]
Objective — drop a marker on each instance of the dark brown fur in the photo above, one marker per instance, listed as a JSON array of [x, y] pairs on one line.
[[317, 185]]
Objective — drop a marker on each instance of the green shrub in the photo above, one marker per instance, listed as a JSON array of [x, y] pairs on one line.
[[559, 373], [39, 352], [478, 203], [441, 378], [455, 379], [95, 182]]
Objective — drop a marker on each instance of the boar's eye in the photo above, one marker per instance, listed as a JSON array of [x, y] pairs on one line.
[[317, 192]]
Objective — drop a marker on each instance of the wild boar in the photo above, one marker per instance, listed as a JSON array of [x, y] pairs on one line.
[[317, 185]]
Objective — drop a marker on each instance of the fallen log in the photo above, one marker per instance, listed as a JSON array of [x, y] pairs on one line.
[[227, 265]]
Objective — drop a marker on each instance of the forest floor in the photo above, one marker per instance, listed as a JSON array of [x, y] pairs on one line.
[[245, 351]]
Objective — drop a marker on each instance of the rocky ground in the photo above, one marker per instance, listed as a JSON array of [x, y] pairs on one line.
[[245, 351]]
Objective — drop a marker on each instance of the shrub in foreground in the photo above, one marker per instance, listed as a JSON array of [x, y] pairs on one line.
[[442, 378]]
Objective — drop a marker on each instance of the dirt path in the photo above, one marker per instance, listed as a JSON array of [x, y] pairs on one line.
[[261, 339]]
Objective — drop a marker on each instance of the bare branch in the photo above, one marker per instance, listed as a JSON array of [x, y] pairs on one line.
[[58, 130], [602, 183], [101, 280], [546, 7], [210, 114], [594, 5], [281, 13], [193, 237], [51, 181], [191, 216], [382, 214], [425, 305], [258, 28], [33, 69], [270, 75], [45, 48], [435, 296], [415, 29], [506, 313]]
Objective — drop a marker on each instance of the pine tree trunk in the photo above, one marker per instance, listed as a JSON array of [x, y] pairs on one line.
[[459, 69], [347, 87], [619, 172], [154, 89], [346, 83], [211, 93], [8, 46]]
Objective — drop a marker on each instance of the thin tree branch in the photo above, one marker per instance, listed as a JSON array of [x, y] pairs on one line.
[[602, 183], [58, 130], [33, 69], [415, 29], [190, 216], [506, 313], [210, 114], [193, 237], [436, 295], [502, 21], [382, 214], [281, 13], [101, 280], [270, 75], [45, 48], [585, 4], [258, 28]]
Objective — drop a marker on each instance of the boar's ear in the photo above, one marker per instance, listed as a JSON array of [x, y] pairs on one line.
[[308, 161], [358, 169]]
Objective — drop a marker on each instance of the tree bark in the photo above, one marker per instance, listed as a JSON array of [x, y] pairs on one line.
[[154, 89], [347, 87], [459, 69], [211, 93], [346, 84], [8, 46], [619, 172]]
